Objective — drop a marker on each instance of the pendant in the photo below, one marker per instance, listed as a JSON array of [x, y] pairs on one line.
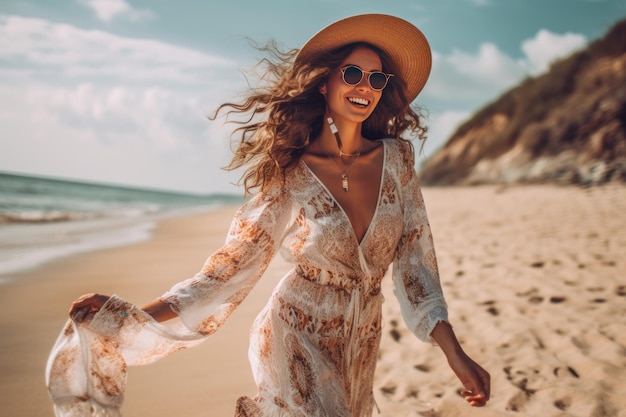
[[344, 182]]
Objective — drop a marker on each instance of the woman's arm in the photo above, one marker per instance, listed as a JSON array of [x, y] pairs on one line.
[[86, 306], [473, 377], [227, 276], [159, 310]]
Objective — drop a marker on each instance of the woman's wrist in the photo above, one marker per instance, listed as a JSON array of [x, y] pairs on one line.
[[159, 310], [444, 336]]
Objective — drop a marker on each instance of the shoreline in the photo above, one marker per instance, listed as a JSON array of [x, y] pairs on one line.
[[534, 277], [25, 247]]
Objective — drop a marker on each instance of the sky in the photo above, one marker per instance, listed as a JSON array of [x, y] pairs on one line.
[[117, 91]]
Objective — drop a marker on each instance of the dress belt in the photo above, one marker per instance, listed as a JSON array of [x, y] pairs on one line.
[[340, 280]]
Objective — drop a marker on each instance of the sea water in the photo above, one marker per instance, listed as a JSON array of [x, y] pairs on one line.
[[42, 219]]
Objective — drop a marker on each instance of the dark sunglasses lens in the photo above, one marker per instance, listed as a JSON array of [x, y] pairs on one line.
[[352, 75], [378, 80]]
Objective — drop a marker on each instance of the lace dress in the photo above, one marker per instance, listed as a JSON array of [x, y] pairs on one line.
[[313, 347]]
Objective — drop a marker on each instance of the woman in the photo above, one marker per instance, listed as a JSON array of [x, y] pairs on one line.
[[339, 195]]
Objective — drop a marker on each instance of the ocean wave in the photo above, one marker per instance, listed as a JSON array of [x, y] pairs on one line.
[[43, 217], [23, 247], [56, 216]]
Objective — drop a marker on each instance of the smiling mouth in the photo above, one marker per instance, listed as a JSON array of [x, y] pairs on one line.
[[359, 101]]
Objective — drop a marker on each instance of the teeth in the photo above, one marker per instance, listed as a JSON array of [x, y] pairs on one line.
[[358, 100]]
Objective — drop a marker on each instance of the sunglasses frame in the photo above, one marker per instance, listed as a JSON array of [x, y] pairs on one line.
[[363, 72]]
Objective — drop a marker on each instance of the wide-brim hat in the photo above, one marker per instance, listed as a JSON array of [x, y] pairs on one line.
[[404, 43]]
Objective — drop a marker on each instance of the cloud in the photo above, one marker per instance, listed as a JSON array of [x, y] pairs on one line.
[[161, 119], [462, 76], [104, 107], [107, 10], [471, 78], [440, 127], [143, 136], [546, 47], [61, 50]]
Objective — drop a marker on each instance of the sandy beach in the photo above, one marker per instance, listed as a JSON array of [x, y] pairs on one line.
[[535, 279]]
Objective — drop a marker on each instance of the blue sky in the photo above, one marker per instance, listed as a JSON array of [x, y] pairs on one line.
[[117, 91]]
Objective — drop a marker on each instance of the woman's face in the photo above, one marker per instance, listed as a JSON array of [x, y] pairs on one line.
[[353, 103]]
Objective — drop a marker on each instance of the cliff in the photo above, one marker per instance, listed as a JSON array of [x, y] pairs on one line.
[[565, 126]]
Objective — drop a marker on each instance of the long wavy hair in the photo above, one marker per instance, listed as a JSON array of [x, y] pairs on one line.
[[285, 113]]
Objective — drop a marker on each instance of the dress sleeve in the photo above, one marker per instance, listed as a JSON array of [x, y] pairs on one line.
[[415, 272], [86, 370], [205, 301]]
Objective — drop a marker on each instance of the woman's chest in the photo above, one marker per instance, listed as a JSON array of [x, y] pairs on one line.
[[322, 225]]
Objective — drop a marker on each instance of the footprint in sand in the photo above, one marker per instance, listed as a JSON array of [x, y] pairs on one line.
[[569, 369], [563, 403], [517, 402], [429, 413], [395, 334], [423, 368], [533, 296], [520, 380], [491, 309], [388, 390], [411, 394]]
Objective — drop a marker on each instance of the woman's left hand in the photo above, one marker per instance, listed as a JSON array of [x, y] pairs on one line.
[[475, 379], [86, 306]]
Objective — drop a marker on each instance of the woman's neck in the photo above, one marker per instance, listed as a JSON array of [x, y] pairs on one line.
[[350, 140]]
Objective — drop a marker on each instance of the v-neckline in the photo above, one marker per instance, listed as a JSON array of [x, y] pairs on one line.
[[336, 201]]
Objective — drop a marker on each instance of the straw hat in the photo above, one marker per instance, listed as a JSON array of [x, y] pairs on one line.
[[405, 44]]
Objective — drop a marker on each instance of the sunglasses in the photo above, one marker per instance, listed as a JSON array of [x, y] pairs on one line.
[[352, 75]]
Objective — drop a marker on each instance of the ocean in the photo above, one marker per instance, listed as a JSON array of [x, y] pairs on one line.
[[42, 219]]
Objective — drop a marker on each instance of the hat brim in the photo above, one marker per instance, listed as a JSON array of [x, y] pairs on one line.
[[405, 45]]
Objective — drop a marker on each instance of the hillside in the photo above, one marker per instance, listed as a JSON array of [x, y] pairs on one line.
[[566, 126]]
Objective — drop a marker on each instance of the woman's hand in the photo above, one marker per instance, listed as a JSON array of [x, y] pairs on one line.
[[86, 306], [474, 378]]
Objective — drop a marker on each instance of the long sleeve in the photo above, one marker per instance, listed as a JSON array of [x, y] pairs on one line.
[[207, 299], [415, 272], [86, 370]]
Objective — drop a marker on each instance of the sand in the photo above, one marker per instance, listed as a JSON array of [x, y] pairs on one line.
[[535, 279]]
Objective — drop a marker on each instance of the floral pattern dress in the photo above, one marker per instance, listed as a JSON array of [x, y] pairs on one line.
[[313, 347]]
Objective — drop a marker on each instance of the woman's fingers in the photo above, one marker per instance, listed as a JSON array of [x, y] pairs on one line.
[[478, 400], [80, 314], [85, 306], [477, 387]]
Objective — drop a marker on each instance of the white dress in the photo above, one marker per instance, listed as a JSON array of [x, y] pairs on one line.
[[313, 347]]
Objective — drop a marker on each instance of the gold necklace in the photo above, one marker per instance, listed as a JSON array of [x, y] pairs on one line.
[[345, 184]]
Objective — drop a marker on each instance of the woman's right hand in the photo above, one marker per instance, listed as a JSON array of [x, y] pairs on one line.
[[86, 306]]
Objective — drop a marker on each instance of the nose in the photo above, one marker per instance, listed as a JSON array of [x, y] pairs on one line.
[[364, 83]]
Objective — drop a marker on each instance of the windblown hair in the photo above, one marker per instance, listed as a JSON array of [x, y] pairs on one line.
[[286, 112]]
